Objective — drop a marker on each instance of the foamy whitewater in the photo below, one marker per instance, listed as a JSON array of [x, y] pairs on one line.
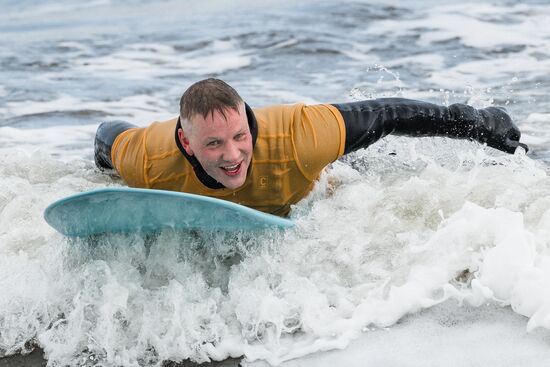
[[417, 252]]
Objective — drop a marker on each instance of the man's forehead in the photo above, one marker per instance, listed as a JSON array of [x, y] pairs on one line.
[[222, 114], [216, 123]]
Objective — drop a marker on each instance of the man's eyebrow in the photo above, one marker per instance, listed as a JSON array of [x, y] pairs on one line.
[[218, 138]]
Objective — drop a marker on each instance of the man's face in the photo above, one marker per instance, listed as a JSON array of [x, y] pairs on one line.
[[223, 146]]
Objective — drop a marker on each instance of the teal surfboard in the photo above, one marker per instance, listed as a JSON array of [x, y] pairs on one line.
[[129, 210]]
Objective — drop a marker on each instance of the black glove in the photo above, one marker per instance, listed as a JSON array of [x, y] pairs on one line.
[[368, 121], [493, 126]]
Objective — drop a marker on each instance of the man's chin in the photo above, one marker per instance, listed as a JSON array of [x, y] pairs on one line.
[[233, 183]]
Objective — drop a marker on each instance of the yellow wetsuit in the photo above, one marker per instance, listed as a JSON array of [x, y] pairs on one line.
[[294, 144]]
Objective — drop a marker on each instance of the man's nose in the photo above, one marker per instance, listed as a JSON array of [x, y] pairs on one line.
[[231, 153]]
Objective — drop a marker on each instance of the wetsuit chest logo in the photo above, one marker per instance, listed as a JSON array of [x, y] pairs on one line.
[[263, 182]]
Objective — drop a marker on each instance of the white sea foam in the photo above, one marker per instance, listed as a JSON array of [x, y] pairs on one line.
[[145, 61], [139, 109], [77, 46], [360, 52], [397, 235], [76, 142], [271, 90], [429, 61], [445, 335], [474, 27], [52, 9], [495, 70]]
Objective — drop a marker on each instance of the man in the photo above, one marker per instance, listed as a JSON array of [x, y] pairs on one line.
[[270, 158]]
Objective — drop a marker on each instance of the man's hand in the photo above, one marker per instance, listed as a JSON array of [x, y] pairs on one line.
[[504, 134], [491, 125]]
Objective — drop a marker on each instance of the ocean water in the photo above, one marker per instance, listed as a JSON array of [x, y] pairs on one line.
[[417, 252]]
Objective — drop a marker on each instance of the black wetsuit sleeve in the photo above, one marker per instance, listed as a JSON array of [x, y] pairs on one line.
[[368, 121], [104, 138]]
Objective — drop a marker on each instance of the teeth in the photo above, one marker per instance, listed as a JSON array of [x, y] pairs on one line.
[[229, 168]]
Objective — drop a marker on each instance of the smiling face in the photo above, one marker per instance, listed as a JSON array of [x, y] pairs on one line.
[[222, 145]]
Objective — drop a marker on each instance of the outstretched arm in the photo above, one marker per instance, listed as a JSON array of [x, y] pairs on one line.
[[368, 121]]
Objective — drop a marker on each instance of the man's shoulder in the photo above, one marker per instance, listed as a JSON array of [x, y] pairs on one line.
[[277, 111], [275, 118], [160, 138], [161, 130], [164, 124], [293, 116]]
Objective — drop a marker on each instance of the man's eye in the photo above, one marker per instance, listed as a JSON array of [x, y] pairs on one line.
[[213, 143], [240, 136]]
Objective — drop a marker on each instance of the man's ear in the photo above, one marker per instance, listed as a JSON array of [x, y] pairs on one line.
[[184, 141]]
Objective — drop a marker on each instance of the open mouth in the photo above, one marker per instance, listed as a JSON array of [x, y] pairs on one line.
[[233, 169]]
